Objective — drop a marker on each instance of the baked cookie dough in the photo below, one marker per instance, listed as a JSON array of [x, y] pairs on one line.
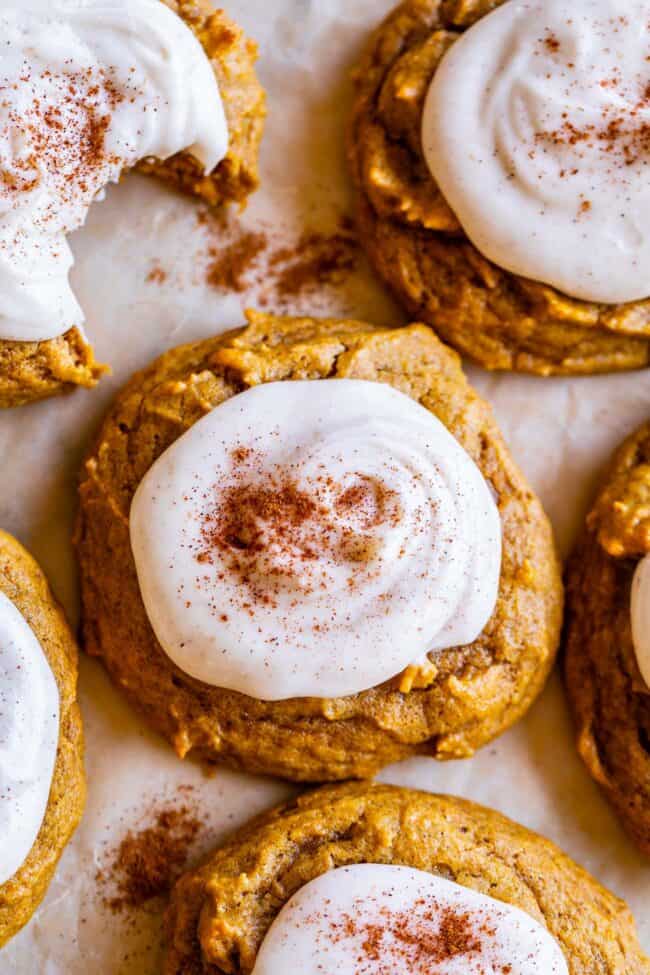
[[23, 582], [32, 371], [610, 699], [220, 913], [416, 244], [469, 696]]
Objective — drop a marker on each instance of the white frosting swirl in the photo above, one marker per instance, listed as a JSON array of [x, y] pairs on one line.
[[537, 130], [313, 539], [29, 735], [87, 89], [640, 612], [374, 919]]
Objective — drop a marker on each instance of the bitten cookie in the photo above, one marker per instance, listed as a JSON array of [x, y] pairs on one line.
[[261, 668], [478, 888], [33, 370], [42, 787], [604, 657], [493, 124]]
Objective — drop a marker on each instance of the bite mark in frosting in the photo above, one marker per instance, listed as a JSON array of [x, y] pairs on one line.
[[29, 735], [375, 919], [87, 89], [314, 539], [537, 130]]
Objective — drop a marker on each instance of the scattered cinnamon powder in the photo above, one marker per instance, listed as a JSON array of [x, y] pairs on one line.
[[157, 275], [621, 134], [552, 43], [276, 271], [316, 260], [149, 860], [65, 131], [418, 938], [230, 266], [274, 531]]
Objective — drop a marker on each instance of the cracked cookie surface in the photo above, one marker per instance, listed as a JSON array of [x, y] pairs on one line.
[[415, 242], [220, 913], [470, 694]]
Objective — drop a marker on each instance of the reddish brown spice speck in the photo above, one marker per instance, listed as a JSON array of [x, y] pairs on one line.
[[419, 938], [316, 260], [157, 275], [148, 861], [67, 135], [231, 265], [278, 272], [274, 530], [623, 135]]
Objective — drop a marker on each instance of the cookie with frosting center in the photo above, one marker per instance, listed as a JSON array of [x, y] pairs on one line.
[[374, 879], [306, 551]]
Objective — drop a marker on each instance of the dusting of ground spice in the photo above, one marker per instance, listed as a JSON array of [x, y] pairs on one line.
[[157, 275], [420, 938], [316, 260], [65, 126], [149, 860], [280, 531], [277, 271], [621, 134], [229, 268]]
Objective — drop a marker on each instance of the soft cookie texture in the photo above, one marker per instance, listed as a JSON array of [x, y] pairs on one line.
[[32, 371], [472, 694], [220, 913], [610, 699], [23, 582], [417, 245]]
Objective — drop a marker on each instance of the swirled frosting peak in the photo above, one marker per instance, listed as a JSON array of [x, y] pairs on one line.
[[537, 130], [29, 735], [375, 919], [314, 539], [87, 89]]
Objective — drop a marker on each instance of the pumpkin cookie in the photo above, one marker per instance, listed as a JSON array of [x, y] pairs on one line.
[[42, 788], [369, 575], [221, 120], [490, 251], [366, 875], [607, 638]]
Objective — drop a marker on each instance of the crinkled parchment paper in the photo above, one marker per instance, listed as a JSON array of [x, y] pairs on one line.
[[560, 431]]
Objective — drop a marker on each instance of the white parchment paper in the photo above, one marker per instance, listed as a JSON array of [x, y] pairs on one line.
[[560, 431]]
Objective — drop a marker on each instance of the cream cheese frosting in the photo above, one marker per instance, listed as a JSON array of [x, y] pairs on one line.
[[29, 735], [640, 611], [87, 89], [537, 130], [314, 539], [376, 919]]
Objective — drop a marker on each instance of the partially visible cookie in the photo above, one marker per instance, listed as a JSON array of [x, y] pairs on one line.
[[31, 371], [220, 913], [233, 57], [23, 583], [468, 695], [609, 697], [415, 241]]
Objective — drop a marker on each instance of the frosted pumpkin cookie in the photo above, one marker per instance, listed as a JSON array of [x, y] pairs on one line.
[[372, 880], [305, 551], [42, 790], [608, 636], [500, 157], [95, 89]]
